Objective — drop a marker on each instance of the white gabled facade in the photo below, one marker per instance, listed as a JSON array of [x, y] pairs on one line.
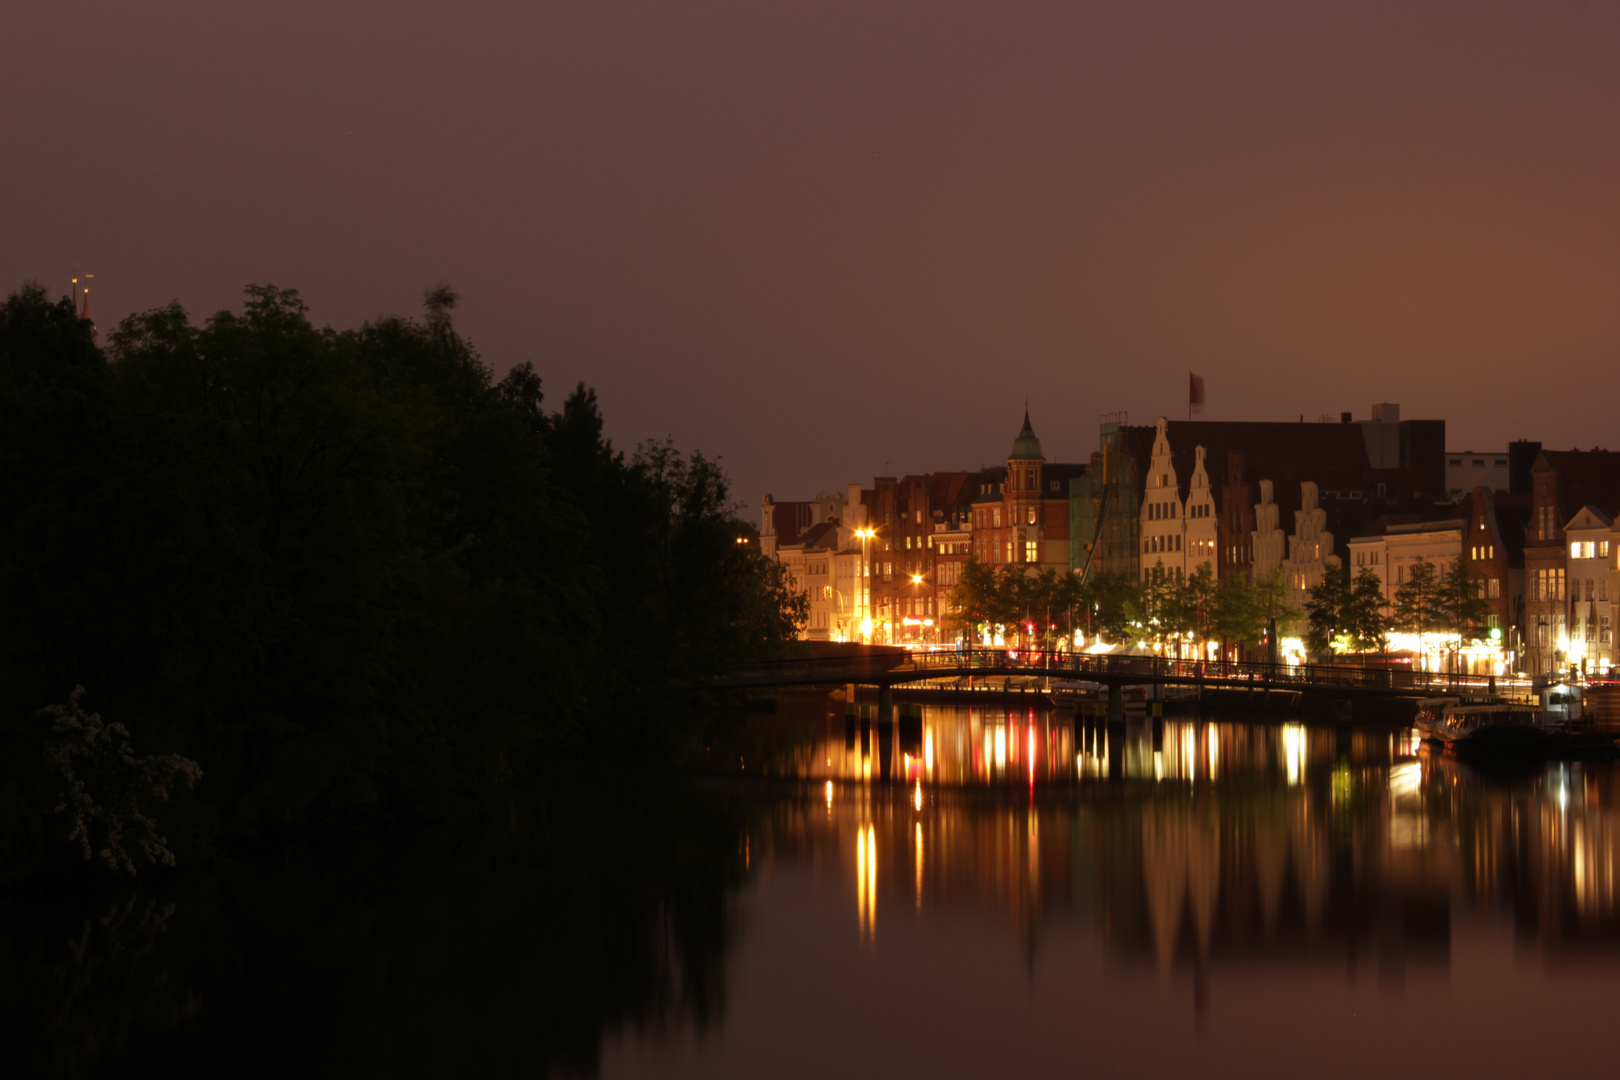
[[1201, 518], [1163, 521], [1591, 619]]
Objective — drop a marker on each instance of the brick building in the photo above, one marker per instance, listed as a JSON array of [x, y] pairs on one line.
[[1021, 511], [1572, 493]]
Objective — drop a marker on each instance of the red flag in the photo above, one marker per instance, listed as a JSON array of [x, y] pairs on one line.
[[1195, 392]]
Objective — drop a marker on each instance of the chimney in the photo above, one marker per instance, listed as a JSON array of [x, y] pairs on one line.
[[1344, 418]]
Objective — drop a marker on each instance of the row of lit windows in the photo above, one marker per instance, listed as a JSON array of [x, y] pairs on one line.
[[1589, 549], [1032, 551], [1547, 584], [1159, 511]]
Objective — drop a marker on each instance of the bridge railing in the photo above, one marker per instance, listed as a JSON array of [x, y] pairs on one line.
[[1076, 666]]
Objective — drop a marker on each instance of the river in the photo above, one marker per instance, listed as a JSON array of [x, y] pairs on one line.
[[991, 891]]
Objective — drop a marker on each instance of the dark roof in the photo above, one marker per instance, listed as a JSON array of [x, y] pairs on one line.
[[949, 489], [824, 535], [789, 519], [1587, 478], [1382, 523], [1270, 450]]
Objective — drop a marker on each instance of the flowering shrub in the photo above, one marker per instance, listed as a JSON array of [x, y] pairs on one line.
[[105, 783]]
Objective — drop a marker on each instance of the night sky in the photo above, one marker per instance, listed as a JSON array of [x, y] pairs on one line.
[[829, 241]]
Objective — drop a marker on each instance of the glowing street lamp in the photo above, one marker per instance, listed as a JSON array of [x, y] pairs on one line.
[[863, 584]]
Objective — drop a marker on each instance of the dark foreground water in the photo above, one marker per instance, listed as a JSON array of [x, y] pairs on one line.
[[1001, 893]]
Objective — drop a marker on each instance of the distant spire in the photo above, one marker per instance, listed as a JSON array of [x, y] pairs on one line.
[[1027, 446], [95, 336]]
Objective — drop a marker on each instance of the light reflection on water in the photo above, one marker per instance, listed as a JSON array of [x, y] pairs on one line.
[[1300, 872]]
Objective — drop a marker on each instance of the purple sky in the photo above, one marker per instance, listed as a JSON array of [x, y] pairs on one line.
[[829, 241]]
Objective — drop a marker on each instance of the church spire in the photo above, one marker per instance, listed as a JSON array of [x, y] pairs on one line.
[[1026, 447]]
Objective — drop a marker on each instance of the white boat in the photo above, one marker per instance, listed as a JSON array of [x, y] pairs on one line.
[[1431, 711], [1489, 728]]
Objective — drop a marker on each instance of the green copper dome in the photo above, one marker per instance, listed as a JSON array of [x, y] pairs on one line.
[[1026, 447]]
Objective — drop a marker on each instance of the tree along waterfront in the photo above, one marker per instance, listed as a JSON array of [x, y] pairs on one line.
[[1162, 609], [347, 574], [1188, 612]]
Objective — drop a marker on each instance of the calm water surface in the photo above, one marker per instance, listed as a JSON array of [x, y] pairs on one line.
[[993, 891]]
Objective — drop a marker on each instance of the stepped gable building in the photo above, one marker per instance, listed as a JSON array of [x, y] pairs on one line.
[[1494, 547], [1573, 494], [1177, 525], [1359, 469], [1021, 511]]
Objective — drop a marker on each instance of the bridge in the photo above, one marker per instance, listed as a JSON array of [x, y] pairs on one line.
[[889, 670]]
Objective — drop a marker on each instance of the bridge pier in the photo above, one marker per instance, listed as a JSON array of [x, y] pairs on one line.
[[885, 704], [1116, 704]]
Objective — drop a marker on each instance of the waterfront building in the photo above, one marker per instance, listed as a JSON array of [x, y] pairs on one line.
[[1310, 549], [951, 504], [1486, 531], [1396, 544], [1564, 484], [1359, 469], [1105, 510], [1591, 629], [1494, 548], [1178, 531], [1021, 511], [819, 543], [923, 532]]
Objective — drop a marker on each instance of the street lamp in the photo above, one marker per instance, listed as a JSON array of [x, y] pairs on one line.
[[863, 583]]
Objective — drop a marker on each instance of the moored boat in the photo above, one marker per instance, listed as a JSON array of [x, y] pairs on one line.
[[1431, 712], [1497, 728]]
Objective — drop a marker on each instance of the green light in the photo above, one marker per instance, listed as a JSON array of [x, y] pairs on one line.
[[1496, 633]]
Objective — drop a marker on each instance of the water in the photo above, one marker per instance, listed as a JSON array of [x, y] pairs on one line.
[[999, 891]]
